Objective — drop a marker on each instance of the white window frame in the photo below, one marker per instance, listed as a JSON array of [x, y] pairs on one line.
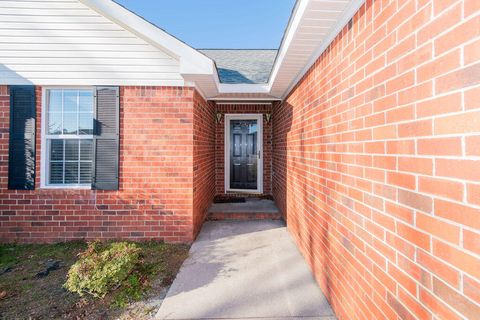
[[244, 116], [44, 155]]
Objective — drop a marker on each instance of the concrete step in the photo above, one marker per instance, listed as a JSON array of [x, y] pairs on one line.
[[251, 209], [220, 216]]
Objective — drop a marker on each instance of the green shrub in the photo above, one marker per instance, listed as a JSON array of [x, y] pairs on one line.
[[102, 268], [132, 290]]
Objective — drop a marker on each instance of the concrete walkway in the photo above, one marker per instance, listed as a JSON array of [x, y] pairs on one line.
[[244, 270]]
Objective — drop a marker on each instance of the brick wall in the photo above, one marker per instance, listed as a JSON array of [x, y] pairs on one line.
[[376, 162], [155, 200], [203, 159], [267, 143]]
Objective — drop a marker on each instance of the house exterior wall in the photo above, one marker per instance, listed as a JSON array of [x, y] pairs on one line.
[[203, 159], [220, 144], [376, 162], [157, 181], [67, 43]]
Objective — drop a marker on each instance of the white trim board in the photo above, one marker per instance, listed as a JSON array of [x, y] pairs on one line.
[[243, 116]]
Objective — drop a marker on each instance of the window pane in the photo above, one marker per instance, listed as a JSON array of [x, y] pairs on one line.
[[55, 123], [86, 150], [55, 101], [70, 100], [71, 150], [56, 150], [70, 123], [85, 123], [85, 172], [71, 172], [86, 101], [56, 172]]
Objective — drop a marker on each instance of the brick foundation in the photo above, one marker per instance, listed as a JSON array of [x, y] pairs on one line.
[[376, 162]]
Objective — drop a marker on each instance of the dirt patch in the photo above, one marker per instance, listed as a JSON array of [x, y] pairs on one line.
[[26, 292]]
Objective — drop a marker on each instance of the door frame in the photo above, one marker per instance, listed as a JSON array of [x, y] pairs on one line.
[[244, 116]]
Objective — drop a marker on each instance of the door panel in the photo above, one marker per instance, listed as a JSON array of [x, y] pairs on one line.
[[243, 154]]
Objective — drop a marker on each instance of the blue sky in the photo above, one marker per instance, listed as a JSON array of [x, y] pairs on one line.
[[229, 24]]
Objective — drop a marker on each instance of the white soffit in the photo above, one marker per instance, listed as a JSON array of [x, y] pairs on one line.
[[313, 26]]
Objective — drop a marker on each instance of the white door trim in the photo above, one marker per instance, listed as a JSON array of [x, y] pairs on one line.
[[244, 116]]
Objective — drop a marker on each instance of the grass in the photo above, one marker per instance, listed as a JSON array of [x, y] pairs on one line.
[[28, 296]]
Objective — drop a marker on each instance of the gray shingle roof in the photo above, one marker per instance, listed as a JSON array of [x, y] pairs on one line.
[[242, 66]]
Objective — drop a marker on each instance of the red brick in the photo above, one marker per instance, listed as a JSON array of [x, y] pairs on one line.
[[401, 114], [439, 268], [471, 98], [441, 187], [438, 307], [415, 129], [385, 132], [473, 193], [459, 79], [418, 92], [440, 146], [471, 241], [415, 200], [461, 169], [441, 105], [438, 228], [459, 35], [471, 7], [403, 279], [418, 238], [402, 180], [471, 288], [455, 299], [417, 165], [436, 26], [440, 66], [473, 146], [457, 212], [457, 258], [401, 147], [471, 53], [401, 82], [413, 305]]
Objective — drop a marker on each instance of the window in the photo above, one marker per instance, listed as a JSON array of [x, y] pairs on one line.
[[68, 137]]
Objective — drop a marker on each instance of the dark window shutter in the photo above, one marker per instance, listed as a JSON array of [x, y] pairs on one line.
[[21, 155], [106, 139]]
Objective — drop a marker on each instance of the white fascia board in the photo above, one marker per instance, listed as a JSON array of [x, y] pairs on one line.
[[297, 16], [347, 14], [243, 88], [191, 61], [249, 100]]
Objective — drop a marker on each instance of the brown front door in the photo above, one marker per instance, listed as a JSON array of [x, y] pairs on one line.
[[244, 154]]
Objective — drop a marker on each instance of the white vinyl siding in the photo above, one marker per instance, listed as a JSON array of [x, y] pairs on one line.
[[67, 43]]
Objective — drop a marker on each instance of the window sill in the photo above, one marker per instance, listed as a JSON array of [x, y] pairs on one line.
[[66, 187]]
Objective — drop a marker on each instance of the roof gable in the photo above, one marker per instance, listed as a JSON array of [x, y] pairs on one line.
[[191, 61]]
